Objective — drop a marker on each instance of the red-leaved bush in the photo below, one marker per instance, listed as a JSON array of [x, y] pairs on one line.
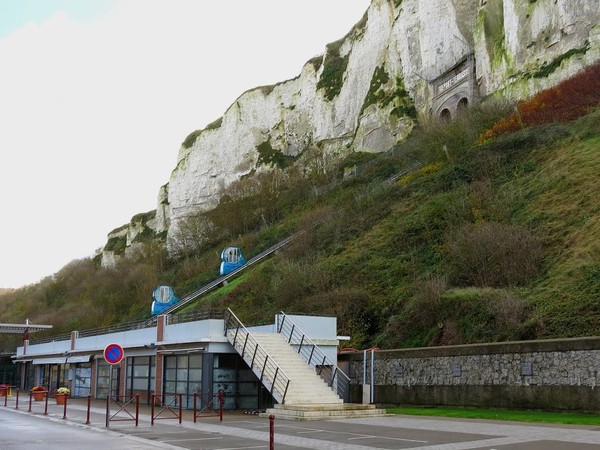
[[568, 100]]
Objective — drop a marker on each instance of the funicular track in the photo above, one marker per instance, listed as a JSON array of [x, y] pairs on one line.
[[218, 281]]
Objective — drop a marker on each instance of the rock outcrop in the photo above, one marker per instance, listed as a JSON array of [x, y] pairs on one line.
[[404, 58]]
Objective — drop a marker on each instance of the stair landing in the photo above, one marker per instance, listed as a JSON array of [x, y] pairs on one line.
[[323, 411]]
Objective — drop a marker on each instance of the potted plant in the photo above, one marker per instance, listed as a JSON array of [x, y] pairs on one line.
[[61, 394], [4, 390], [38, 392]]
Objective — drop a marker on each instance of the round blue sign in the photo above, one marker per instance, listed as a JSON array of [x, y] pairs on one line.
[[113, 353]]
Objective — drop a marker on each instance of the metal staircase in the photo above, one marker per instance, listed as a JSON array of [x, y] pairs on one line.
[[257, 358], [323, 366], [305, 384], [280, 366]]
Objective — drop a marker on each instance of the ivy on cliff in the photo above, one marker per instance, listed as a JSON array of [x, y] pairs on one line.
[[403, 104], [332, 77], [116, 245], [269, 156], [547, 69]]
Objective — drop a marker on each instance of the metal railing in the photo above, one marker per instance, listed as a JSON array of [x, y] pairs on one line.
[[193, 316], [265, 368], [397, 176], [55, 338], [114, 329], [200, 314], [314, 356]]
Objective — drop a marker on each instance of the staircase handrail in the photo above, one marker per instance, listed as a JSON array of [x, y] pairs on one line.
[[256, 356], [314, 356]]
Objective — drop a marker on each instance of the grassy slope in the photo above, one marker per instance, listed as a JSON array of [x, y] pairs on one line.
[[365, 263], [379, 257], [566, 204]]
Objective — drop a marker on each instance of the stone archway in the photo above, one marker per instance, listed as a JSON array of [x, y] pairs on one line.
[[454, 90]]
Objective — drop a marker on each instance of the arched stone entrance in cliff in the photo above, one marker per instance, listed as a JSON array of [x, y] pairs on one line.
[[454, 89]]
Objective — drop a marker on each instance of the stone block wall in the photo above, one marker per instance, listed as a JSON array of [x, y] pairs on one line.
[[552, 374]]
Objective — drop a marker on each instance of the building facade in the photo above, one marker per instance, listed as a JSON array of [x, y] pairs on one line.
[[176, 354]]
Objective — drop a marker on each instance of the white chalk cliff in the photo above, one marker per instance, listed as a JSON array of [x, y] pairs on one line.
[[365, 92]]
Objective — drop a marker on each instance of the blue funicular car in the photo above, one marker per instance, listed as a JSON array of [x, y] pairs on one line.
[[163, 297], [231, 259]]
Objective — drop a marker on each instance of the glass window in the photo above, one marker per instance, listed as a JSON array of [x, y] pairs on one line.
[[141, 371], [247, 388], [180, 379], [196, 361], [140, 377], [82, 380], [195, 375], [171, 374], [248, 402], [140, 384], [246, 375], [104, 373], [224, 375], [169, 387], [233, 377], [170, 362]]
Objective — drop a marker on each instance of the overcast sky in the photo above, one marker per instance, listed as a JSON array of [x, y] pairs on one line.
[[96, 97]]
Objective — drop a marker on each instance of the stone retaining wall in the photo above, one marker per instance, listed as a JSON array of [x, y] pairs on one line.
[[553, 374]]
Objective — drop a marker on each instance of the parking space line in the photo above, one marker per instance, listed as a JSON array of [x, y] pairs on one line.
[[356, 435], [388, 438], [243, 448], [191, 439]]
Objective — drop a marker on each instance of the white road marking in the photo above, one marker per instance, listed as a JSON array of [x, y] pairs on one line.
[[191, 439]]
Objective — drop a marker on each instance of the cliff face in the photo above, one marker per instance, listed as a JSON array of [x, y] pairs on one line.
[[403, 58]]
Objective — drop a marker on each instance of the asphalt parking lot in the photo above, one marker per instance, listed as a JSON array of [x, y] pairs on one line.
[[242, 431]]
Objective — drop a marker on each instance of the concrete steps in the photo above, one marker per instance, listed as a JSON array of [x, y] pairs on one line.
[[326, 411], [306, 387]]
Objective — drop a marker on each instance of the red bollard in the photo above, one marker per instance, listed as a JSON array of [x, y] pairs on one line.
[[152, 400], [17, 403], [221, 406], [180, 407], [195, 397], [271, 432], [46, 407], [65, 407], [107, 409], [6, 399], [87, 422]]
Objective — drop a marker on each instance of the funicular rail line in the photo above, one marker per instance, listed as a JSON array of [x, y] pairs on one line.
[[217, 282]]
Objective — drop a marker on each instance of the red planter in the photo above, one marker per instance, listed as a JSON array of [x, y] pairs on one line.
[[38, 395], [61, 398]]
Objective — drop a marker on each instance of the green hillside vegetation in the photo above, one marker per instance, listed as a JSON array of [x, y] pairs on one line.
[[487, 240]]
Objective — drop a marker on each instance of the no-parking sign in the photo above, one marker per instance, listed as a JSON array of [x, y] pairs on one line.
[[113, 353]]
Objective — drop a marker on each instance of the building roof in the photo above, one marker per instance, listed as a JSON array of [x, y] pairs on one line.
[[18, 328]]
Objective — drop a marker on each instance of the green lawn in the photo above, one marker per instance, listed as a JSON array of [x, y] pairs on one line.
[[503, 414]]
